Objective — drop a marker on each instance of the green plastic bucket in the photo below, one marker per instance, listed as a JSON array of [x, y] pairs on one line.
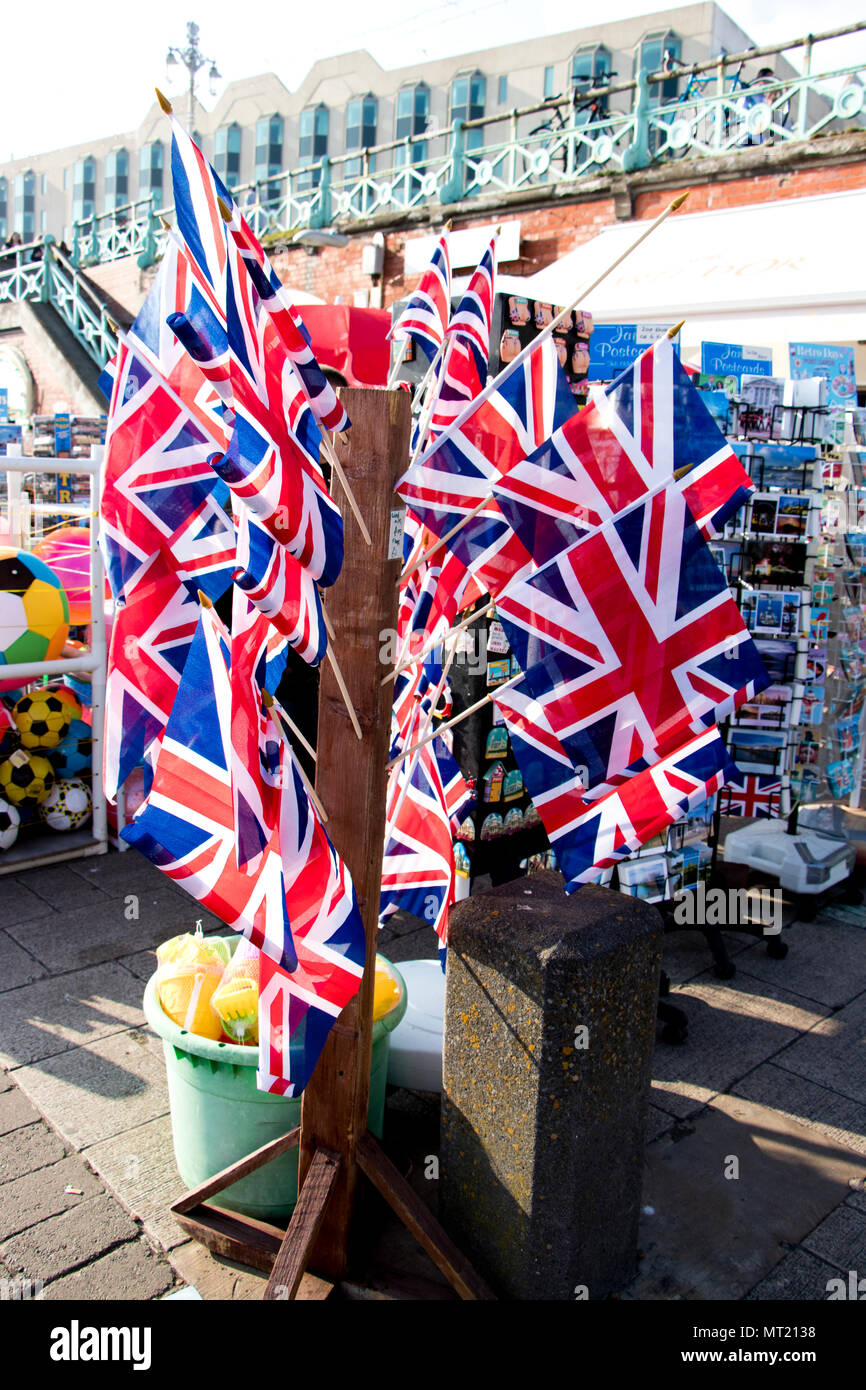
[[218, 1116]]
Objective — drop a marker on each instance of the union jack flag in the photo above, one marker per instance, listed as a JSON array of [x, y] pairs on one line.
[[605, 831], [630, 638], [650, 423], [470, 323], [198, 190], [299, 907], [157, 491], [280, 588], [752, 795], [255, 739], [425, 317], [150, 642], [462, 467]]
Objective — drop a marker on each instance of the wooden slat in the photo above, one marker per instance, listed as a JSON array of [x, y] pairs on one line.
[[418, 1220], [236, 1171], [351, 782], [304, 1226], [236, 1237]]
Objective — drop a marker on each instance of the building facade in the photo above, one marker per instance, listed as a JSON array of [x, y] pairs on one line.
[[346, 104]]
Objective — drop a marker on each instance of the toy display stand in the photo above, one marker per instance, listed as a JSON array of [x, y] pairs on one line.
[[336, 1148], [22, 512]]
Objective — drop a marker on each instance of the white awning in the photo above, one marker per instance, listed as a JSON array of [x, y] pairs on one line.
[[765, 274]]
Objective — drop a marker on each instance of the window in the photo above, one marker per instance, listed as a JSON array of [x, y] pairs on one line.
[[313, 142], [650, 58], [43, 184], [503, 90], [362, 115], [4, 209], [65, 179], [43, 221], [468, 94], [269, 156], [413, 111], [590, 67], [116, 180], [25, 204], [549, 90], [83, 189], [151, 163], [227, 154]]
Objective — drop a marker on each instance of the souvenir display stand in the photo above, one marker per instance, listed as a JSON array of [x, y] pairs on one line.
[[92, 839], [335, 1146]]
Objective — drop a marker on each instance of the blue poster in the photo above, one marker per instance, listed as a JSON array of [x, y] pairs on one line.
[[615, 346], [10, 439], [4, 405], [736, 359], [62, 436], [835, 364]]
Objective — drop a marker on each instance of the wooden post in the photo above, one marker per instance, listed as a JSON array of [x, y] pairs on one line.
[[351, 781]]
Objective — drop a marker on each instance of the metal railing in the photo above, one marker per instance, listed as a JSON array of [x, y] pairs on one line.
[[42, 273], [555, 142]]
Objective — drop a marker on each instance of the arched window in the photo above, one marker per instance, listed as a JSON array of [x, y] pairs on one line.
[[650, 57], [413, 112], [269, 148], [116, 179], [83, 189], [227, 154], [25, 204], [151, 164], [468, 94], [312, 142]]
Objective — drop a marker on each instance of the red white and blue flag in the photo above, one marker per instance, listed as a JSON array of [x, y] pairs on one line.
[[299, 907], [280, 588], [752, 795], [470, 322], [425, 317]]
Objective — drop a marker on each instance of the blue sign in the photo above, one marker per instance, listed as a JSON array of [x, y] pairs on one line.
[[10, 439], [4, 405], [62, 436], [835, 364], [615, 346], [736, 359]]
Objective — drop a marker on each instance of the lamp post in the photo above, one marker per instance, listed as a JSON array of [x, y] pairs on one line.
[[193, 60]]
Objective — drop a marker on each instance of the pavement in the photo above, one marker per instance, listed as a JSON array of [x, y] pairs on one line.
[[755, 1166]]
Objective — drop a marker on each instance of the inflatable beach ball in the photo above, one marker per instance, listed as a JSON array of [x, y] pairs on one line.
[[34, 612], [66, 806], [67, 551]]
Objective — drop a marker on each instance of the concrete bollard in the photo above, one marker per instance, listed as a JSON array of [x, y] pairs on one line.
[[549, 1028]]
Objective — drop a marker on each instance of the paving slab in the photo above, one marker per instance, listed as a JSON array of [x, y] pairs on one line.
[[16, 1111], [686, 954], [826, 962], [18, 902], [24, 1150], [70, 1010], [61, 888], [141, 964], [17, 966], [840, 1239], [799, 1277], [857, 1200], [658, 1123], [89, 1094], [72, 1238], [420, 944], [833, 1052], [817, 1107], [715, 1237], [732, 1029], [140, 1167], [86, 936], [117, 873], [43, 1193], [132, 1272]]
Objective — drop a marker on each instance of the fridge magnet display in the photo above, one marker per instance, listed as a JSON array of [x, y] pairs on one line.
[[513, 821], [544, 314], [493, 827], [498, 671], [466, 830], [531, 817], [462, 866], [509, 345], [497, 641], [496, 745], [512, 787], [493, 783], [518, 311]]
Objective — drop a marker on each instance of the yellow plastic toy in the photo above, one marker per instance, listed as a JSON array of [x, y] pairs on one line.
[[190, 969], [237, 999], [386, 991]]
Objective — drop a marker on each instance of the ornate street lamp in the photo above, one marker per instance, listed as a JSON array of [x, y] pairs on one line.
[[193, 60]]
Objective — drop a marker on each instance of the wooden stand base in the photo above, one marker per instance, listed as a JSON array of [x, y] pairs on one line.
[[284, 1253]]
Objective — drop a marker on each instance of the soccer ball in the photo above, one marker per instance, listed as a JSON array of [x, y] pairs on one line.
[[9, 735], [67, 695], [9, 823], [34, 611], [42, 719], [25, 777], [73, 755], [66, 806]]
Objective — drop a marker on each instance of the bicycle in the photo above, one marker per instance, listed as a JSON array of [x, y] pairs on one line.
[[559, 123]]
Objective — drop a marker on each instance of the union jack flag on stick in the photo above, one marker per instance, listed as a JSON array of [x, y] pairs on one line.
[[425, 317]]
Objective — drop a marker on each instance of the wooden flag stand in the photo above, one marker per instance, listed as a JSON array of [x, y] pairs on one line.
[[334, 1141]]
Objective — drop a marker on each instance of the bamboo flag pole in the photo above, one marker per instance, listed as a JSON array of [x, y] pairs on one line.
[[430, 405], [521, 357], [458, 718], [271, 706], [395, 370], [488, 611], [423, 739]]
